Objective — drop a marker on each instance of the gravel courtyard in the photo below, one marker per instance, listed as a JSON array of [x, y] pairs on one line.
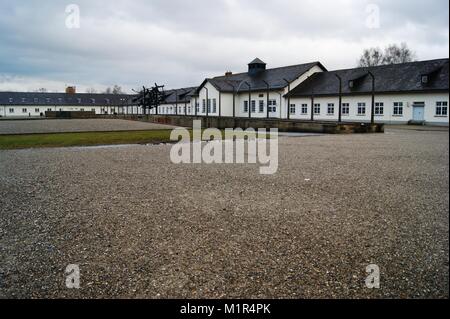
[[139, 226], [75, 125]]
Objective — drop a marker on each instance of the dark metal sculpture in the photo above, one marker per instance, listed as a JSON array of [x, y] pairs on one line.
[[150, 98]]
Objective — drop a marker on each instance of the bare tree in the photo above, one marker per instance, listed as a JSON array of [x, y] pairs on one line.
[[393, 54], [108, 90], [117, 90], [91, 90], [371, 57]]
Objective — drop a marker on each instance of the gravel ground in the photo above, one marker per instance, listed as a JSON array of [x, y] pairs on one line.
[[80, 125], [139, 226]]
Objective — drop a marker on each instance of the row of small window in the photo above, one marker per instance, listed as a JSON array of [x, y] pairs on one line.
[[272, 106], [171, 110], [37, 110], [441, 109], [59, 100]]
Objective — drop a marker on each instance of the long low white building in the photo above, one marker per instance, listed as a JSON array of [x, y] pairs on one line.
[[35, 104], [402, 93]]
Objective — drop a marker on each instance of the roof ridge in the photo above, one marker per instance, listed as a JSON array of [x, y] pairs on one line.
[[386, 65], [277, 68]]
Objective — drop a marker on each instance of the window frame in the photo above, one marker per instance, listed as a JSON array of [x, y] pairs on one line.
[[330, 105], [441, 109], [361, 111], [316, 108], [292, 109]]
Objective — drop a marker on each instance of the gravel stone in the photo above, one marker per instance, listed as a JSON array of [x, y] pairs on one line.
[[141, 227]]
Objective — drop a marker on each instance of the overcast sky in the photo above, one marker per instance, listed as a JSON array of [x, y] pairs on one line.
[[180, 42]]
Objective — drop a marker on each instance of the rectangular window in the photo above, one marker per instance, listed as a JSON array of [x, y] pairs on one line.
[[379, 108], [292, 109], [209, 105], [441, 108], [11, 110], [214, 106], [317, 109], [24, 111], [330, 109], [92, 110], [361, 108], [272, 106], [82, 110], [304, 109], [261, 106], [345, 108], [49, 109], [36, 110], [398, 108], [245, 106], [197, 107], [204, 106], [253, 106]]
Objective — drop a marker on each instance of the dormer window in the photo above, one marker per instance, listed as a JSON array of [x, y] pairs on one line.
[[60, 100], [11, 100], [107, 101], [424, 79], [93, 101], [79, 101], [48, 100], [24, 100]]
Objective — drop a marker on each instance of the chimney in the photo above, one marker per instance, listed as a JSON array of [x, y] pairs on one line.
[[228, 73], [71, 90]]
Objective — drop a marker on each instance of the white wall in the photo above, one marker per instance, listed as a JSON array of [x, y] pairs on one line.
[[388, 100], [35, 111]]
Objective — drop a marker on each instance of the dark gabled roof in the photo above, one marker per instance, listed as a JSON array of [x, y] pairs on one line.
[[257, 61], [62, 99], [274, 77], [396, 78], [182, 95]]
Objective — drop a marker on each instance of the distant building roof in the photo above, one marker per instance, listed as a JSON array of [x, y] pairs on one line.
[[63, 99], [396, 78], [276, 78], [182, 95]]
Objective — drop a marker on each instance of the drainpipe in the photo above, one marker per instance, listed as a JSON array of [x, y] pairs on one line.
[[234, 99], [340, 98], [289, 100], [176, 102], [268, 98], [312, 106], [220, 104], [372, 112], [195, 101], [249, 99], [207, 106]]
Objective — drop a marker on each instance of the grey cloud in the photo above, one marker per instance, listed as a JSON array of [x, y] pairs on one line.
[[180, 42]]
